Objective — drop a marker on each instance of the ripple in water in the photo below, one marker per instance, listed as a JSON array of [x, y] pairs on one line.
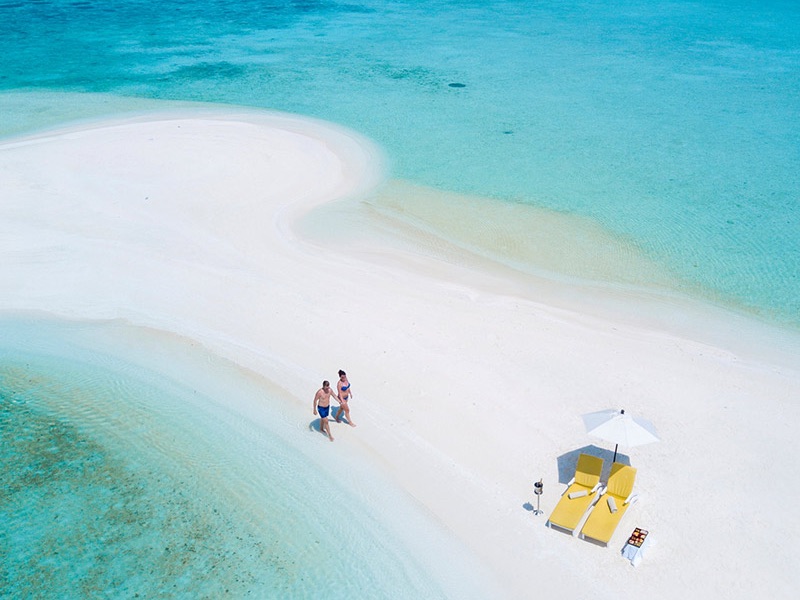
[[118, 482], [80, 517]]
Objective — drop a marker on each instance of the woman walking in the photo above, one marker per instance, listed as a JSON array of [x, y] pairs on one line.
[[344, 395]]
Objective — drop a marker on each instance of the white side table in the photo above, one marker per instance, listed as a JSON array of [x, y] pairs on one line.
[[635, 553]]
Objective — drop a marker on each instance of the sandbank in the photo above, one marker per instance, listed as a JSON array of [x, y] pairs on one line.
[[469, 380]]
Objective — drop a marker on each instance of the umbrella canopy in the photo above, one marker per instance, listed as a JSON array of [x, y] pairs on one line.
[[623, 430]]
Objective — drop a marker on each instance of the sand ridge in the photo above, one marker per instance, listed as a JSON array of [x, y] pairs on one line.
[[185, 222]]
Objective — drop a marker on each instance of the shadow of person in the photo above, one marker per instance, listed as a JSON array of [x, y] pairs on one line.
[[339, 416], [316, 425]]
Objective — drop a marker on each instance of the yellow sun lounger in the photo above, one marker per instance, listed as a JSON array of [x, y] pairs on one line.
[[614, 502], [580, 495]]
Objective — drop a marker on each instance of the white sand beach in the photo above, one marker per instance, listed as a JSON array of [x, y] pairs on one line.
[[469, 381]]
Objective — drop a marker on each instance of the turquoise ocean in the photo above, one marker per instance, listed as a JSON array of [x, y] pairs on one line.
[[134, 464], [673, 125]]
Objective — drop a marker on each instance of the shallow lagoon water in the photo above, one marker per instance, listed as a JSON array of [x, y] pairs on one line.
[[189, 479], [671, 124]]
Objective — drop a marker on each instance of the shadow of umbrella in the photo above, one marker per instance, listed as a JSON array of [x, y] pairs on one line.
[[567, 462]]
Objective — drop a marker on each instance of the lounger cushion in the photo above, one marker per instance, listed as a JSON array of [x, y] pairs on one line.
[[587, 473], [579, 496], [602, 521]]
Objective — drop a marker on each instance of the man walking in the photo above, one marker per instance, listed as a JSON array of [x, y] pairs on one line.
[[322, 403]]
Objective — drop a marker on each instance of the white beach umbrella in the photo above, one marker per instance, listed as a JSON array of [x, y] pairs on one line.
[[623, 430]]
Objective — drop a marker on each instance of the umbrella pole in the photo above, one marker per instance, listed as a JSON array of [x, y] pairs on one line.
[[615, 453]]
